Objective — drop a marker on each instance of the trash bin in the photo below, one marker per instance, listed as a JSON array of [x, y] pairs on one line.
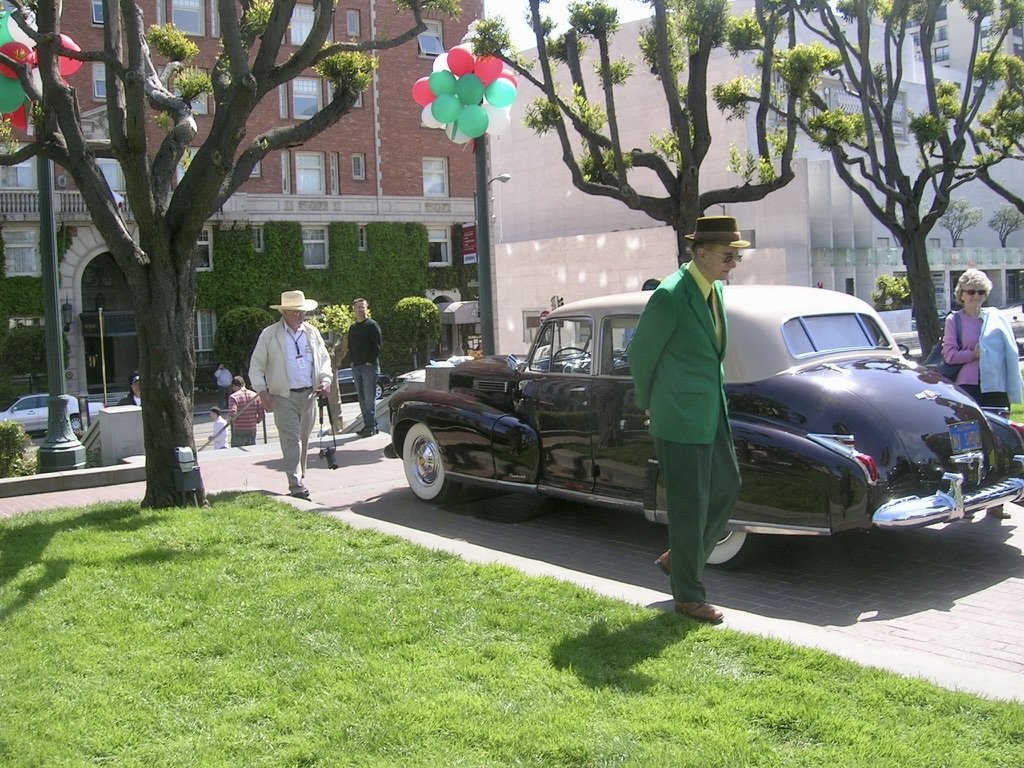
[[186, 479]]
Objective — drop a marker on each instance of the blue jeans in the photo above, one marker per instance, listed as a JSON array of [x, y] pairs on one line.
[[365, 378]]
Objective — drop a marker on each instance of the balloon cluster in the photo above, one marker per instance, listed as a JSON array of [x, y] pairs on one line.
[[21, 48], [466, 95]]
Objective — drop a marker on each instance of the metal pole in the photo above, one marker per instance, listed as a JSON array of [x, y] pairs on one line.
[[103, 355], [483, 247], [61, 450]]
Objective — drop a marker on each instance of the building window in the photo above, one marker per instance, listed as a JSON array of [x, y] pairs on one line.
[[111, 170], [302, 24], [305, 97], [362, 238], [257, 170], [97, 11], [99, 81], [941, 34], [359, 166], [352, 23], [20, 176], [200, 104], [439, 248], [358, 103], [881, 242], [257, 238], [940, 53], [431, 40], [15, 321], [214, 19], [435, 177], [21, 252], [202, 257], [206, 325], [309, 173], [531, 322], [187, 15], [314, 247]]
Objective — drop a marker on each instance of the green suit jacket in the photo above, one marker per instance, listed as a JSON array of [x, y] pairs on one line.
[[676, 361]]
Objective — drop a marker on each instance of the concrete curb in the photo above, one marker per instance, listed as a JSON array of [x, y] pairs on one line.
[[73, 480]]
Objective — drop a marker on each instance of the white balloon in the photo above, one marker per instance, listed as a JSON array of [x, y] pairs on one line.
[[441, 62], [455, 134], [16, 34], [499, 118], [428, 119]]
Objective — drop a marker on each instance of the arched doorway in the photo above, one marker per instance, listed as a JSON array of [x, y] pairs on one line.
[[108, 327]]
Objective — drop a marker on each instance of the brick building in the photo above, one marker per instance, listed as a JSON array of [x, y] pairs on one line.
[[378, 164]]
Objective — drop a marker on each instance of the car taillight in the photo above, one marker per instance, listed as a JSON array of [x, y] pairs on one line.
[[870, 467], [1017, 427]]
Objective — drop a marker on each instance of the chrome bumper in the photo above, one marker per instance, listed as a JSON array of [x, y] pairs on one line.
[[946, 506]]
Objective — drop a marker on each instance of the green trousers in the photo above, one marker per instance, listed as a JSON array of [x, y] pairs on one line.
[[702, 483]]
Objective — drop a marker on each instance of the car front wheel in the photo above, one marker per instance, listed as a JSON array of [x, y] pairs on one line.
[[424, 468], [734, 550]]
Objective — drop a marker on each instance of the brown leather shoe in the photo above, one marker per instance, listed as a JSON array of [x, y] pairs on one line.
[[998, 513], [700, 611], [665, 563]]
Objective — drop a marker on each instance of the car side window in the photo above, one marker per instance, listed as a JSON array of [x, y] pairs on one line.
[[616, 335], [563, 346]]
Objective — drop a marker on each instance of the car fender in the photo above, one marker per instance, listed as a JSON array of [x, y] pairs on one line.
[[790, 484], [476, 442]]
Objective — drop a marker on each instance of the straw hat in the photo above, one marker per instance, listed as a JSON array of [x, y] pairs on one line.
[[718, 229], [295, 300]]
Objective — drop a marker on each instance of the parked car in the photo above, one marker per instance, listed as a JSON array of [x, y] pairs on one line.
[[347, 387], [32, 412], [835, 430]]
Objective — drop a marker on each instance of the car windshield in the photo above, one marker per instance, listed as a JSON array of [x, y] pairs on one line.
[[818, 334]]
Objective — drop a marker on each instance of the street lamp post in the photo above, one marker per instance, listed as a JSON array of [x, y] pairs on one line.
[[483, 245], [61, 449]]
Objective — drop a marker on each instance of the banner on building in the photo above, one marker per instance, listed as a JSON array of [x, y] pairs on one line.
[[469, 244]]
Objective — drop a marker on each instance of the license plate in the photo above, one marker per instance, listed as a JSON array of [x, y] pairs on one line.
[[965, 436]]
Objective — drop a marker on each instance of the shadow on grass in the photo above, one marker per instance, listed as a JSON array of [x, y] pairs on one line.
[[604, 658], [24, 545]]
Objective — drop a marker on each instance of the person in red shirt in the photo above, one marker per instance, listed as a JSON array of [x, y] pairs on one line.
[[245, 411]]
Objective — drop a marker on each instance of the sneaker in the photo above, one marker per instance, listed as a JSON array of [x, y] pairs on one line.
[[302, 493]]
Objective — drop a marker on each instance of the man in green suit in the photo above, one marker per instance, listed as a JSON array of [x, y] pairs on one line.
[[676, 356]]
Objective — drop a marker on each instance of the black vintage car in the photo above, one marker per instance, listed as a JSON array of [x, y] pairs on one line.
[[835, 430]]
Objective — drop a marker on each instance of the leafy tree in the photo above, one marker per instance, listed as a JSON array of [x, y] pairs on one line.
[[149, 83], [1001, 129], [235, 338], [677, 47], [1005, 221], [416, 322], [908, 195], [23, 350], [893, 292], [959, 217]]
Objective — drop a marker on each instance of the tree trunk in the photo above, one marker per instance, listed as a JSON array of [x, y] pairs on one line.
[[164, 303], [922, 289]]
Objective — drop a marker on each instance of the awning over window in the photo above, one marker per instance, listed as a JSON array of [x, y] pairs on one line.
[[460, 313]]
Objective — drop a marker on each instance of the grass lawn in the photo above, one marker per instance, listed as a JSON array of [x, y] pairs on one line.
[[250, 634]]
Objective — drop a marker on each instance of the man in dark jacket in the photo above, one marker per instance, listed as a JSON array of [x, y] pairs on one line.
[[364, 343]]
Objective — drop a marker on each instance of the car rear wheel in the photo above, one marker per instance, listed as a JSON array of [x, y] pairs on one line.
[[424, 468], [734, 550]]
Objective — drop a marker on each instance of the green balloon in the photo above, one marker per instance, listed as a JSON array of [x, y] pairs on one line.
[[441, 82], [473, 121], [501, 92], [12, 95], [469, 89], [445, 108]]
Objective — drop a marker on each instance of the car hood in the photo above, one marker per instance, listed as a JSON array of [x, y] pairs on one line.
[[897, 413]]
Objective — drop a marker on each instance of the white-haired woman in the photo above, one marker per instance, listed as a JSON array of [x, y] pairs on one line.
[[985, 347]]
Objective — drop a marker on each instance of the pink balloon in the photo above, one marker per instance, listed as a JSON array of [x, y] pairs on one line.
[[65, 65], [460, 60], [487, 68], [508, 74], [421, 92]]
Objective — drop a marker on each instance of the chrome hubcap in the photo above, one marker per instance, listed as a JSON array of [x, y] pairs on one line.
[[426, 462]]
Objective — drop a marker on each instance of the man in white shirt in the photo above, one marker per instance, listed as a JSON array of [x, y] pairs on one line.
[[289, 368]]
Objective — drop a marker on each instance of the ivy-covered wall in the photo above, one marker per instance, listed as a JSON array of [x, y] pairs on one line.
[[393, 267]]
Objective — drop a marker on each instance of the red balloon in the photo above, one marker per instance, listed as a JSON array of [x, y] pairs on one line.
[[460, 60], [18, 118], [17, 51], [508, 74], [421, 92], [64, 64], [487, 68]]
